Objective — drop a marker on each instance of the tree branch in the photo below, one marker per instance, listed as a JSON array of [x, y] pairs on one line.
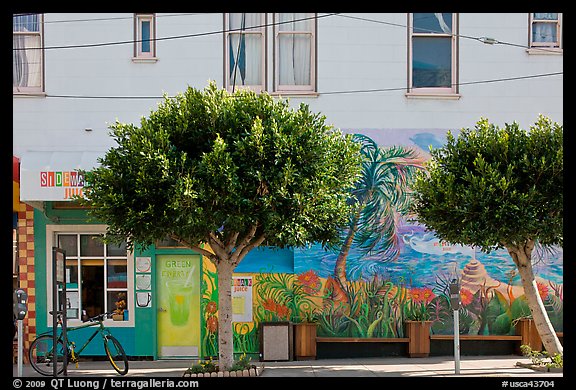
[[217, 247], [213, 257], [245, 241], [232, 242], [216, 239], [257, 242], [195, 248]]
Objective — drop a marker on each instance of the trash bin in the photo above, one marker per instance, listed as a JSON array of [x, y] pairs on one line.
[[276, 341]]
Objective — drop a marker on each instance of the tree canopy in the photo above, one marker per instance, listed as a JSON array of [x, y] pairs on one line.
[[210, 163], [230, 170], [493, 188], [490, 187]]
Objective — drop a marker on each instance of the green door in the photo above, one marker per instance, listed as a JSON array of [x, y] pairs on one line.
[[178, 291]]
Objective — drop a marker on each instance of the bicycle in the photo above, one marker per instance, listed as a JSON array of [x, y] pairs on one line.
[[41, 352]]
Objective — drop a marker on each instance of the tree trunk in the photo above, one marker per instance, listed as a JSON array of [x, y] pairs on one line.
[[225, 336], [337, 283], [522, 256]]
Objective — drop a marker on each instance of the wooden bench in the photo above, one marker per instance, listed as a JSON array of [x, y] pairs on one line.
[[475, 337], [360, 346], [362, 339]]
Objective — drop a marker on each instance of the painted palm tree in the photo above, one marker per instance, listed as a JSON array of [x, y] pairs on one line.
[[381, 197]]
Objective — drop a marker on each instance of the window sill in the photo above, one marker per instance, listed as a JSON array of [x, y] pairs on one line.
[[550, 51], [144, 59], [29, 94], [441, 96], [295, 93]]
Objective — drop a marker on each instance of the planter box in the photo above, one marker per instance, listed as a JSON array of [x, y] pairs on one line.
[[118, 317], [526, 328], [418, 333], [305, 341]]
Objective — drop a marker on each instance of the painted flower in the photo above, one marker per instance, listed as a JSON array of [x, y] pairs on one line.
[[427, 295], [542, 290], [415, 295], [211, 307], [282, 311], [310, 282], [269, 305], [212, 324], [466, 296]]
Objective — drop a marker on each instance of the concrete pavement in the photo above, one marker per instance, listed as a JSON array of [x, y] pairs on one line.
[[435, 366]]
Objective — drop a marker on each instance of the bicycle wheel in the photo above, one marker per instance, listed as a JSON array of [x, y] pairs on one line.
[[41, 355], [116, 355]]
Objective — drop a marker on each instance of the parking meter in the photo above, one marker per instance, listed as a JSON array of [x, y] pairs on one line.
[[455, 305], [19, 304], [455, 295]]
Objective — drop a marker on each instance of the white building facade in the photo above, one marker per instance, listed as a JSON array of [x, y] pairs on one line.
[[76, 73]]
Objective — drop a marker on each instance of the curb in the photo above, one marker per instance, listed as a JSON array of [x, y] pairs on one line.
[[539, 367], [252, 372]]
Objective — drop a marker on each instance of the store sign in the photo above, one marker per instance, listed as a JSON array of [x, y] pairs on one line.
[[54, 176], [70, 182], [242, 299]]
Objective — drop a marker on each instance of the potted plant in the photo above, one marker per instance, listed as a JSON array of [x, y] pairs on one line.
[[417, 321]]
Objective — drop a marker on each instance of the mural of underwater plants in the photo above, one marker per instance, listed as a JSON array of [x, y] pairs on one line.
[[390, 269]]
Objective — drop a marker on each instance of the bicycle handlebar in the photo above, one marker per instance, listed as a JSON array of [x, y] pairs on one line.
[[98, 318]]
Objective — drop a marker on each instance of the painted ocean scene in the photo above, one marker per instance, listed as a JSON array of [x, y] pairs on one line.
[[388, 269], [423, 258]]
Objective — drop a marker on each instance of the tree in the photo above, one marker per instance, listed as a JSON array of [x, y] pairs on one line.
[[222, 174], [497, 188], [380, 197]]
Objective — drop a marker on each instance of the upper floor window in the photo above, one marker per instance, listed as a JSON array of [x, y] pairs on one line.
[[433, 54], [245, 54], [545, 30], [293, 42], [294, 52], [145, 36], [27, 58]]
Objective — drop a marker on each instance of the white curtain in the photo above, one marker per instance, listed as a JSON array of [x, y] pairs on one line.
[[294, 51], [27, 63], [27, 55], [442, 23], [544, 32], [245, 50]]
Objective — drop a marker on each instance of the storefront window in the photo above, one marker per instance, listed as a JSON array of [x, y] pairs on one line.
[[97, 278]]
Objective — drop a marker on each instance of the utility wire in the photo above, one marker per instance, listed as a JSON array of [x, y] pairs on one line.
[[118, 18], [320, 93], [132, 41], [485, 40]]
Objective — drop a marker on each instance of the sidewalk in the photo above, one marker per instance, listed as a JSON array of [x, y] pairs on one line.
[[437, 366]]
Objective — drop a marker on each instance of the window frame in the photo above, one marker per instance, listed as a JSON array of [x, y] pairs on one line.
[[226, 36], [16, 90], [453, 90], [295, 89], [138, 53], [553, 46], [52, 233]]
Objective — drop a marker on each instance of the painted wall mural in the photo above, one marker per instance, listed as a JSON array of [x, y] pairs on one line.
[[390, 268]]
